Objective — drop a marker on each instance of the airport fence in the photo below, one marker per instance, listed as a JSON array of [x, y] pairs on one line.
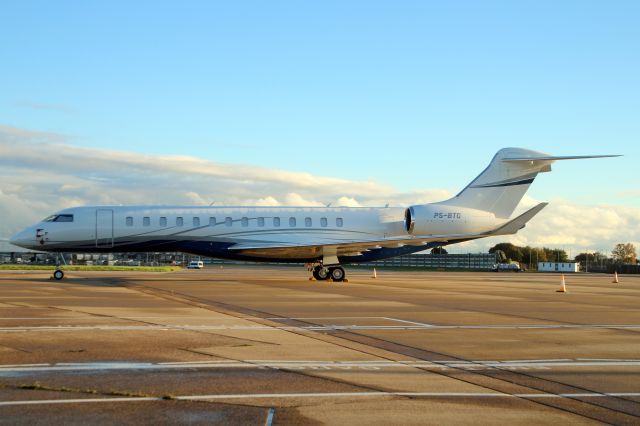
[[471, 261], [624, 269]]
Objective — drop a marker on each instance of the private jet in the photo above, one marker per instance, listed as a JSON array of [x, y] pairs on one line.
[[325, 238]]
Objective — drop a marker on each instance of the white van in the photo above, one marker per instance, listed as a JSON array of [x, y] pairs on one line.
[[196, 264], [506, 267]]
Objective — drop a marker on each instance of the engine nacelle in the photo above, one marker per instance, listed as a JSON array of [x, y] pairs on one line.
[[437, 219]]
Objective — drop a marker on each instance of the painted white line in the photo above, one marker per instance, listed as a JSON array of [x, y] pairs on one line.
[[320, 318], [554, 360], [409, 322], [368, 365], [24, 365], [167, 327], [410, 394], [98, 316], [223, 361], [598, 359], [329, 395], [75, 401]]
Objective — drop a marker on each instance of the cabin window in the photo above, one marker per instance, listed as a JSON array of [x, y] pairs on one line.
[[146, 221], [323, 222], [129, 221], [196, 221], [179, 221], [307, 222], [292, 222], [212, 221], [261, 221], [245, 221], [339, 222], [276, 222], [228, 221], [163, 221]]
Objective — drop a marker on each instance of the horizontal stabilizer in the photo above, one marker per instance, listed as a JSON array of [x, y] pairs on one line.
[[554, 158], [516, 224]]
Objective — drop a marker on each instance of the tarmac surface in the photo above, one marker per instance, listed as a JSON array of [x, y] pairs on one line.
[[264, 345]]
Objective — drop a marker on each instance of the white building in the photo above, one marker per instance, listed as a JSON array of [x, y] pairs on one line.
[[559, 267]]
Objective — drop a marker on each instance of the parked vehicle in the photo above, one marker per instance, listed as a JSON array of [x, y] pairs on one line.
[[196, 264], [506, 267]]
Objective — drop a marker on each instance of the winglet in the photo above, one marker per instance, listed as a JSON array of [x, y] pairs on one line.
[[516, 224]]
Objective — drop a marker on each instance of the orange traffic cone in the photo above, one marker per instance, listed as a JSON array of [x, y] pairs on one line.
[[563, 287], [615, 277], [375, 275]]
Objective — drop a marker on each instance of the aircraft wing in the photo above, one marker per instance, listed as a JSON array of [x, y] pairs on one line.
[[345, 248]]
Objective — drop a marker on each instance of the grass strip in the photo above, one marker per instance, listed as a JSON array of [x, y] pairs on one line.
[[89, 268]]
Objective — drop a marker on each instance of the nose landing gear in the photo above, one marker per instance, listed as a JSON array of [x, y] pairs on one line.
[[58, 274]]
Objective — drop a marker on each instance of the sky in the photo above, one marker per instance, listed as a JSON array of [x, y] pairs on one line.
[[357, 103]]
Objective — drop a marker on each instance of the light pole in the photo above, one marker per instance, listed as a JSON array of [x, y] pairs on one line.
[[586, 262]]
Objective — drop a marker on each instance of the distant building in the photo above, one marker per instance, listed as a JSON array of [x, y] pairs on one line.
[[14, 254], [559, 266]]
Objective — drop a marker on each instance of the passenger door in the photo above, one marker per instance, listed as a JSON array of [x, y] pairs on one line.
[[104, 228]]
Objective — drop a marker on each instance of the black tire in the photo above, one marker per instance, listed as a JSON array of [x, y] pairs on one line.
[[58, 274], [337, 273], [320, 273]]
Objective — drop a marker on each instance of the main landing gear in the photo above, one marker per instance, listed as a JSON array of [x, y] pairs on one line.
[[334, 273]]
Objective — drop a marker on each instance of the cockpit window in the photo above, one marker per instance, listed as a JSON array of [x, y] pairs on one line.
[[59, 218]]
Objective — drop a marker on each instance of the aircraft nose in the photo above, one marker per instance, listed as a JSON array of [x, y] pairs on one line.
[[24, 238]]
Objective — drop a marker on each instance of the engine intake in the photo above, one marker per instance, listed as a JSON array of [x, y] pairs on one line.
[[409, 220]]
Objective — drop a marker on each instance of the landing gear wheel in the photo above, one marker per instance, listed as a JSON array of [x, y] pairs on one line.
[[337, 273], [58, 274], [320, 273]]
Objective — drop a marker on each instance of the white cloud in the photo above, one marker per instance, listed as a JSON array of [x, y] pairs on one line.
[[575, 228], [17, 135], [41, 173], [294, 199], [348, 202], [44, 106], [266, 201]]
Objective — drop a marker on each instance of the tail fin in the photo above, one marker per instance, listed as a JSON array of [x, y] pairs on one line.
[[501, 186]]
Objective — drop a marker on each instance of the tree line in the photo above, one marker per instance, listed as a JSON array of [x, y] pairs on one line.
[[622, 253]]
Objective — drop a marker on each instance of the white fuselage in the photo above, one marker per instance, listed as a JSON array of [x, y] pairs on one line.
[[211, 231]]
